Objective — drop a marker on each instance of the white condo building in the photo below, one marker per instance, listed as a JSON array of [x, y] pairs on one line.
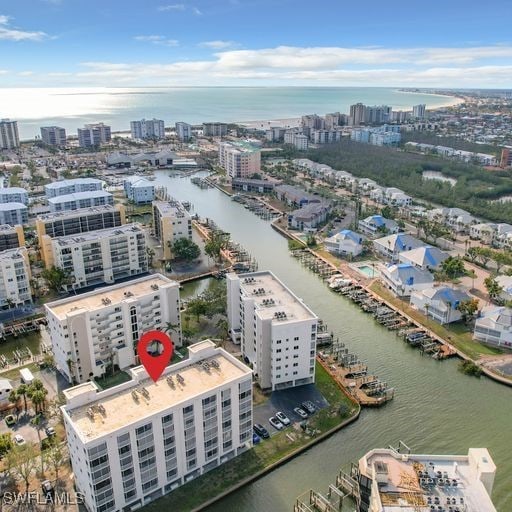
[[91, 331], [79, 200], [135, 442], [277, 331], [183, 131], [13, 195], [9, 138], [14, 277], [72, 186], [94, 135], [102, 256], [171, 222], [239, 159], [147, 129], [13, 213], [139, 190]]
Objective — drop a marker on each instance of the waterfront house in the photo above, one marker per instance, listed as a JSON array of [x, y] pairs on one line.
[[402, 279], [253, 185], [345, 243], [425, 257], [439, 303], [494, 326], [139, 190], [375, 225], [391, 246], [294, 196]]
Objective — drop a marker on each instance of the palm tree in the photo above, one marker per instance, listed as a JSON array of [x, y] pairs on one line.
[[37, 423], [23, 391], [14, 398], [38, 398]]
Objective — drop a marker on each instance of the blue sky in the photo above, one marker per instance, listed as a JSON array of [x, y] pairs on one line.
[[256, 42]]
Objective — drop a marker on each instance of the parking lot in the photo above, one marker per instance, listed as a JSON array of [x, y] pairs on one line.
[[285, 401]]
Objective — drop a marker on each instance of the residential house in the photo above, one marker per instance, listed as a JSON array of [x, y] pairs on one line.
[[375, 225], [425, 257], [402, 279], [494, 326], [506, 283], [483, 231], [439, 303], [294, 196], [396, 197], [345, 243], [391, 246]]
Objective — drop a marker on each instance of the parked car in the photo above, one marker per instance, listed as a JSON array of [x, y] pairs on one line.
[[255, 438], [308, 406], [50, 431], [281, 416], [10, 420], [19, 439], [276, 423], [300, 412], [261, 431]]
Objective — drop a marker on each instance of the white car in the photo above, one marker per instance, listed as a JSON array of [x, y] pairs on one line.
[[19, 439], [300, 412], [276, 423], [281, 416]]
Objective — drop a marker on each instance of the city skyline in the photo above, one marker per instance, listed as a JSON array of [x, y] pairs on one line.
[[48, 43]]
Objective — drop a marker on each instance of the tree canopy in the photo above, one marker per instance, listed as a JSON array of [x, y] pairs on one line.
[[185, 249]]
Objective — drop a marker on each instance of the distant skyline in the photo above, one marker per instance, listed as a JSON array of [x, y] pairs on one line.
[[454, 43]]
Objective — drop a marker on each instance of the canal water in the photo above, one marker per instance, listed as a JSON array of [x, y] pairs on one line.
[[436, 409]]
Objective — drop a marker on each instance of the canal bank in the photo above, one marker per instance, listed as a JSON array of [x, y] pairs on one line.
[[435, 410]]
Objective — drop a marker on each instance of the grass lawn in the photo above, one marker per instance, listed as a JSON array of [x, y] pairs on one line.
[[14, 374], [458, 334], [112, 380], [262, 455]]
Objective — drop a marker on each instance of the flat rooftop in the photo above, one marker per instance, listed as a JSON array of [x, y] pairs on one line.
[[143, 398], [91, 210], [12, 206], [272, 297], [171, 209], [416, 482], [12, 254], [94, 300], [94, 236], [77, 196], [74, 181]]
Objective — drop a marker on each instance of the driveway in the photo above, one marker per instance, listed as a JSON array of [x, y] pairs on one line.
[[284, 401]]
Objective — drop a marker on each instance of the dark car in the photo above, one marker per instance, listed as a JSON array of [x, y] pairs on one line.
[[308, 406], [261, 431]]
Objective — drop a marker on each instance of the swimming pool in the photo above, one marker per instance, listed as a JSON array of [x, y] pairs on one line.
[[368, 271]]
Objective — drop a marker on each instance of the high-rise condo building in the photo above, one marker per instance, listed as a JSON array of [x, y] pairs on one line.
[[103, 256], [93, 135], [135, 442], [13, 213], [183, 131], [11, 237], [419, 111], [215, 129], [95, 330], [277, 331], [171, 221], [9, 138], [239, 159], [74, 222], [148, 129], [53, 136], [357, 114]]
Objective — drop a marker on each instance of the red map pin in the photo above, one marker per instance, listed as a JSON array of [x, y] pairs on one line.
[[155, 363]]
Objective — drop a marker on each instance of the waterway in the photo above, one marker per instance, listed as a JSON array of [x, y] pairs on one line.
[[436, 409]]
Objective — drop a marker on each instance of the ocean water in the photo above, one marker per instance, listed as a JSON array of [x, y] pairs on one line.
[[72, 107]]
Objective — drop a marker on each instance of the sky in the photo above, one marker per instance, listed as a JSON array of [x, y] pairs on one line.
[[102, 43]]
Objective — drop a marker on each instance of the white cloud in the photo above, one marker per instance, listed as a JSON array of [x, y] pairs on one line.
[[9, 33], [217, 45], [172, 7], [436, 67], [179, 7], [25, 73], [160, 40]]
